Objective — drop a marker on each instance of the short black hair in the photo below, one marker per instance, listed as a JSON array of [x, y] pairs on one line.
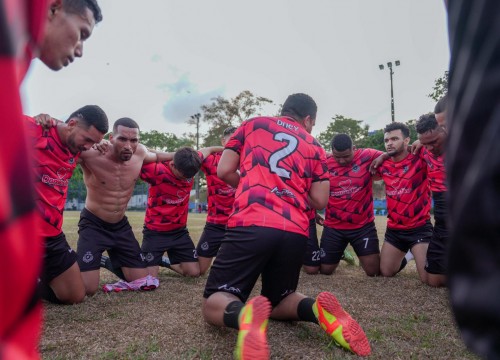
[[298, 106], [79, 6], [125, 121], [187, 161], [441, 105], [398, 126], [92, 115], [229, 131], [341, 142], [426, 122]]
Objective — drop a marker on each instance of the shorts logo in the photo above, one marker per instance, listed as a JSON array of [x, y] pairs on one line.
[[204, 246], [149, 257], [229, 289], [195, 254], [142, 257], [88, 257], [322, 252]]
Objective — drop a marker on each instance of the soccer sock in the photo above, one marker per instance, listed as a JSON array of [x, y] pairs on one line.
[[409, 256], [403, 264], [232, 314], [106, 263], [165, 262], [48, 294], [305, 310]]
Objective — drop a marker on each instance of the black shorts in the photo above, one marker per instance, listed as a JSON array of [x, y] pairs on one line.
[[440, 213], [177, 243], [210, 240], [97, 236], [58, 257], [312, 254], [404, 240], [364, 241], [247, 252], [437, 255]]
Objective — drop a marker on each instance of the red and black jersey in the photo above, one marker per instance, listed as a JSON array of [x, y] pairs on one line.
[[407, 192], [22, 23], [350, 205], [279, 161], [436, 173], [220, 194], [53, 167], [168, 197]]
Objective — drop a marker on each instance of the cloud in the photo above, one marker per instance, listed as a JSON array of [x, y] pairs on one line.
[[184, 99]]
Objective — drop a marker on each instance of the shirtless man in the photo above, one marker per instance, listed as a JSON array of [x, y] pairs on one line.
[[110, 178]]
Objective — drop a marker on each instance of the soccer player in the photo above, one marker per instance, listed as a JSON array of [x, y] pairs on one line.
[[170, 185], [27, 27], [220, 206], [408, 203], [110, 180], [349, 216], [56, 153], [282, 175], [432, 137]]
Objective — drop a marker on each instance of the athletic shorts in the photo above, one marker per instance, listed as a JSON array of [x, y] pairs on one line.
[[436, 262], [312, 254], [364, 241], [58, 258], [210, 240], [177, 243], [440, 213], [247, 252], [404, 240], [97, 236]]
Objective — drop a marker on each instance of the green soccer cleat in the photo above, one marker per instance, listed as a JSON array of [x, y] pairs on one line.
[[252, 340], [338, 324], [348, 258]]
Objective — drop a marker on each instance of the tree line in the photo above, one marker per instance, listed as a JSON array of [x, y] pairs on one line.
[[222, 113]]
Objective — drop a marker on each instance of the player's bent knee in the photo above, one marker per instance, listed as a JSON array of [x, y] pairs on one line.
[[436, 280], [310, 270], [387, 273]]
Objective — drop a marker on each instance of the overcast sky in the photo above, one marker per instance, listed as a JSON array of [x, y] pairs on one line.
[[158, 61]]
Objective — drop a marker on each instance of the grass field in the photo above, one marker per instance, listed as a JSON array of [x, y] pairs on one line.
[[402, 318]]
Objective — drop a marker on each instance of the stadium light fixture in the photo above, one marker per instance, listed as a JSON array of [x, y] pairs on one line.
[[391, 72]]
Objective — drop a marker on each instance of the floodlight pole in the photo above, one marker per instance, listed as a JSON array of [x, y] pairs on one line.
[[196, 117], [391, 72], [392, 95]]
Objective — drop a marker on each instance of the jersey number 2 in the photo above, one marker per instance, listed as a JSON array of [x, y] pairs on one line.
[[282, 153]]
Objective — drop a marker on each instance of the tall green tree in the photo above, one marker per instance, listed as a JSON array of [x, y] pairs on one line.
[[164, 141], [342, 125], [374, 140], [440, 87], [223, 113]]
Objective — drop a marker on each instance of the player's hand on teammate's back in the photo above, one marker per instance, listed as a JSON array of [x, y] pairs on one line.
[[415, 147], [45, 121], [102, 147], [375, 164]]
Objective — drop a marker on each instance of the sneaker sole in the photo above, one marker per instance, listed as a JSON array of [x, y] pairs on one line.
[[351, 331], [254, 344]]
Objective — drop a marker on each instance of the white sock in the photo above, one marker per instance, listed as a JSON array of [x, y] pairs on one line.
[[409, 256]]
